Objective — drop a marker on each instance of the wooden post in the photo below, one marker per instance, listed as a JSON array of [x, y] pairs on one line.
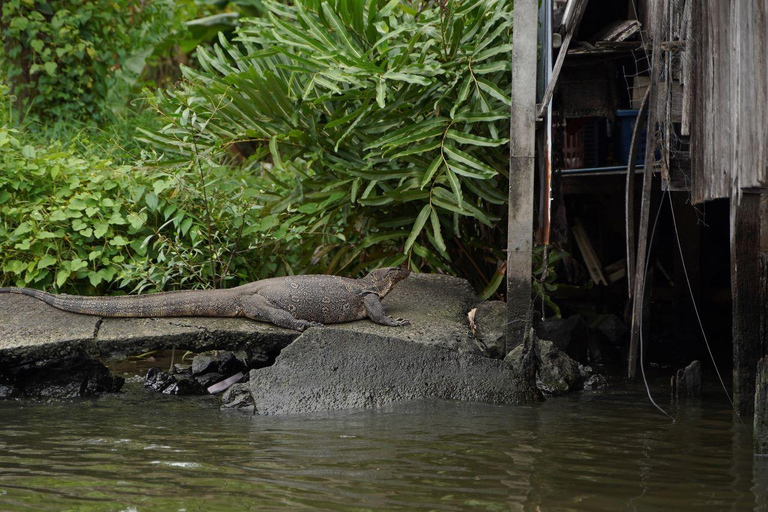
[[521, 169], [747, 298]]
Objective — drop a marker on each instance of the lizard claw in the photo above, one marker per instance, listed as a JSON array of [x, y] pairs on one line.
[[306, 324], [402, 322]]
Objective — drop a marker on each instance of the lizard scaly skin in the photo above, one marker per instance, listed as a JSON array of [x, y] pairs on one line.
[[293, 302]]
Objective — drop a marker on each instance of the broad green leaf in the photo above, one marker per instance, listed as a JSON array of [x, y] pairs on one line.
[[494, 284], [431, 170], [418, 225], [465, 158], [381, 93], [494, 91], [274, 151], [436, 231], [61, 277], [474, 140], [46, 261], [455, 186]]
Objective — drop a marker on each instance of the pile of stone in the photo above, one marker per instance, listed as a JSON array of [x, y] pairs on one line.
[[209, 373]]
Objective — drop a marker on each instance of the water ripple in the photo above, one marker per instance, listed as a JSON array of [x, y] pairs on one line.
[[587, 452]]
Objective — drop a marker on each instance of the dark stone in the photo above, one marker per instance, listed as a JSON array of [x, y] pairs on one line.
[[331, 368], [68, 377], [595, 381], [182, 369], [688, 380], [613, 330], [184, 387], [239, 397], [490, 320], [209, 379], [557, 373], [558, 330], [202, 364], [568, 334], [230, 364], [158, 380]]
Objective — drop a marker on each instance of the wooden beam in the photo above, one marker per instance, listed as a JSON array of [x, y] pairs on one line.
[[746, 273], [521, 170], [629, 198], [578, 12], [645, 201]]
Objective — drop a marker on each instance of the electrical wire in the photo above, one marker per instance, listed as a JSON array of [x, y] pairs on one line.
[[696, 309], [642, 295]]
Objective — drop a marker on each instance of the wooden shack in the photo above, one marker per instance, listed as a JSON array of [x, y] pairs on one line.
[[652, 160]]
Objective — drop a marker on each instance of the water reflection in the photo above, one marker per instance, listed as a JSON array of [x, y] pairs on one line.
[[588, 452]]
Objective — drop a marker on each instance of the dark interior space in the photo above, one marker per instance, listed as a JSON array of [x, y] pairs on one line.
[[672, 333]]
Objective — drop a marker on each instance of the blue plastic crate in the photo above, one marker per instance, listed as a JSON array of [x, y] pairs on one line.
[[625, 124]]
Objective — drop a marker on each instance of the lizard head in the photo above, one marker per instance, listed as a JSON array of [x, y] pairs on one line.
[[382, 280]]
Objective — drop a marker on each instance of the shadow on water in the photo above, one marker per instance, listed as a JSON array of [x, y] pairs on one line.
[[590, 451]]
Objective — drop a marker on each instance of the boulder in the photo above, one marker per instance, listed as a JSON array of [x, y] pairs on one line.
[[489, 322], [557, 373], [203, 363], [158, 380], [688, 381], [67, 377], [238, 397], [568, 334], [330, 369]]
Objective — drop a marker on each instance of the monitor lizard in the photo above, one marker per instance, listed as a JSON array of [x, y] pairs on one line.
[[293, 302]]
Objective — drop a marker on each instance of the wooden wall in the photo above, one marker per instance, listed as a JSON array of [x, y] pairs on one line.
[[729, 132]]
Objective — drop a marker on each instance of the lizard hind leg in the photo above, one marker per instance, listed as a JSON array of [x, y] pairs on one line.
[[262, 309]]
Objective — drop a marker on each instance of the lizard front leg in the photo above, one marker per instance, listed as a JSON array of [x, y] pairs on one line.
[[375, 311], [262, 309]]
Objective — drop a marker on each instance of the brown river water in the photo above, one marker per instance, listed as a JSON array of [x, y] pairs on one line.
[[589, 451]]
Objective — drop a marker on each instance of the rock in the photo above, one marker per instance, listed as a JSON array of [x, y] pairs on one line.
[[688, 380], [203, 363], [490, 328], [332, 368], [209, 379], [239, 397], [68, 377], [595, 381], [230, 364], [761, 408], [612, 329], [185, 387], [182, 369], [158, 380], [561, 331], [557, 374]]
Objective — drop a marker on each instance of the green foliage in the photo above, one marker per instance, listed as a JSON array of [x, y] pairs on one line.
[[77, 58], [85, 225], [379, 130], [545, 280]]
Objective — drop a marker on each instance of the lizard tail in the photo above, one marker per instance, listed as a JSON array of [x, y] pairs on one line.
[[167, 304]]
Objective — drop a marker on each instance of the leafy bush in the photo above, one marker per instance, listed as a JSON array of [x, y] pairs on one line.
[[77, 58], [85, 225], [379, 130]]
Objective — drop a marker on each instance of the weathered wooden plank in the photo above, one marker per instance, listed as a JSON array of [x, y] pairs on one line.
[[746, 292], [594, 265], [521, 169], [654, 99], [629, 197]]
